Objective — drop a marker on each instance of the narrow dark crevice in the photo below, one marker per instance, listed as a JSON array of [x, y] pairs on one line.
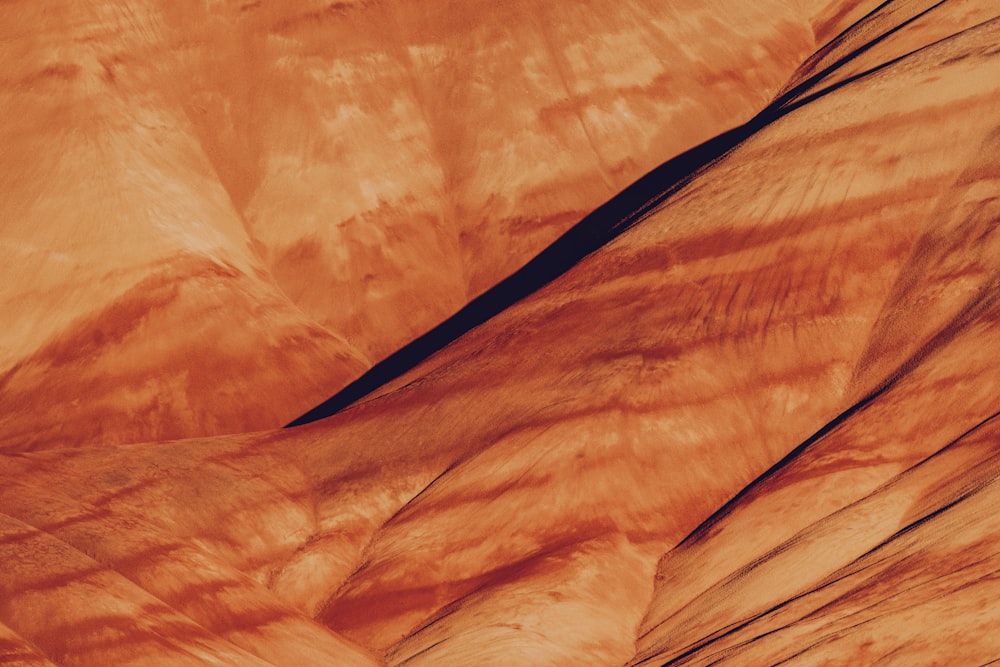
[[600, 227]]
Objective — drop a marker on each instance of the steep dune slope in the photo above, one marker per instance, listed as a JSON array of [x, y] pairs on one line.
[[464, 136], [204, 197], [898, 525], [810, 319], [925, 383], [861, 214], [126, 267], [901, 576]]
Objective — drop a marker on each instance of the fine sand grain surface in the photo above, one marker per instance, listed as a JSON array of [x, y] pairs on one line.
[[742, 410]]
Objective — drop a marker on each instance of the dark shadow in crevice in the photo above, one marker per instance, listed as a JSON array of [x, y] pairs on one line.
[[595, 230]]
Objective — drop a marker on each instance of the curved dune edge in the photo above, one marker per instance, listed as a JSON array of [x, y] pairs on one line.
[[759, 425]]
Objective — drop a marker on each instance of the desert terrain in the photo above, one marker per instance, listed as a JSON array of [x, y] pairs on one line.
[[438, 333]]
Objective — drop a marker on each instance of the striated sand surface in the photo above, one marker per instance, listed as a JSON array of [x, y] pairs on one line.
[[757, 426], [309, 186]]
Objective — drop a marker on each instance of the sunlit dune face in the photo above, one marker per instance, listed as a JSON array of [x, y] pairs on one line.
[[353, 172], [751, 419]]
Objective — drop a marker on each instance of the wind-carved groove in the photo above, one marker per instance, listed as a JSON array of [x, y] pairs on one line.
[[600, 227], [836, 577], [979, 305]]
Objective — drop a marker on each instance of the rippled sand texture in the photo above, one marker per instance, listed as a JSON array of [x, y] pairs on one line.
[[756, 427]]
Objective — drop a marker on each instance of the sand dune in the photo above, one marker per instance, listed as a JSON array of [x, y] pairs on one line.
[[312, 186], [751, 416]]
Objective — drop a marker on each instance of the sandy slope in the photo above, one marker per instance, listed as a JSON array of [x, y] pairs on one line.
[[811, 320], [200, 198], [134, 306]]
